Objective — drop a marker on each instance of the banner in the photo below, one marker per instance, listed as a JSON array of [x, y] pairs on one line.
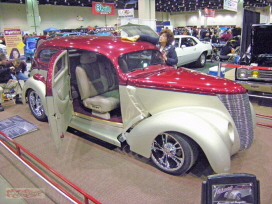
[[99, 8], [126, 13], [209, 12], [231, 5], [80, 18], [14, 42]]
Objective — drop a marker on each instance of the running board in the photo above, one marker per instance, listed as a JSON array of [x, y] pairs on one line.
[[101, 131]]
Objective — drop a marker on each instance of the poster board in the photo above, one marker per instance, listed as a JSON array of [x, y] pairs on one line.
[[14, 42]]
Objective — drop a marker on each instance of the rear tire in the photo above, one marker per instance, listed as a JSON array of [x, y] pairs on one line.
[[201, 61], [36, 106]]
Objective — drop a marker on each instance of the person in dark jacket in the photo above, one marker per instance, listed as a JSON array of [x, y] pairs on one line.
[[20, 68], [6, 81], [163, 43], [225, 50]]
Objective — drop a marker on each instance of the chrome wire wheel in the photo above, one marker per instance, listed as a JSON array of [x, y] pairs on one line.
[[173, 153], [36, 106]]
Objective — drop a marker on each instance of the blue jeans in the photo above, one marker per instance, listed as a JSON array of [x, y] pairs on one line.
[[21, 76]]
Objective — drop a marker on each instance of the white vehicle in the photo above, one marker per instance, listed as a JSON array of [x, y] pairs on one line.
[[192, 51], [189, 49]]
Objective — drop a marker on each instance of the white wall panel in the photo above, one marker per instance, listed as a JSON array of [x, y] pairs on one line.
[[65, 17]]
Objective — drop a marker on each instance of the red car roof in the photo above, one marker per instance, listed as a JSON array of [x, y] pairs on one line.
[[107, 45]]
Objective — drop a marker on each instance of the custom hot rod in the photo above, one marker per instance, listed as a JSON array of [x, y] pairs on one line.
[[123, 93]]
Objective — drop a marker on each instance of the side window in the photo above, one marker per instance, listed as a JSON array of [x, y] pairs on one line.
[[192, 41], [188, 42], [45, 55], [176, 42], [60, 65]]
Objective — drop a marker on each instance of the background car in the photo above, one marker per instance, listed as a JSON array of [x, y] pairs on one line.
[[255, 72], [123, 93], [192, 51], [239, 192], [30, 46], [66, 34], [188, 48]]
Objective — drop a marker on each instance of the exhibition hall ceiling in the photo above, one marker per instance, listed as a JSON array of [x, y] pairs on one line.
[[161, 5]]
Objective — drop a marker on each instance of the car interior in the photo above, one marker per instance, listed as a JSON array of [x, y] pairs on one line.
[[94, 85]]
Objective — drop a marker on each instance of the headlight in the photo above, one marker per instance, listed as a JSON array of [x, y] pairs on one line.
[[255, 74], [242, 73]]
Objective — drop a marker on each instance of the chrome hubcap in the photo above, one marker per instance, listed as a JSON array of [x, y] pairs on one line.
[[36, 104], [167, 152], [202, 59]]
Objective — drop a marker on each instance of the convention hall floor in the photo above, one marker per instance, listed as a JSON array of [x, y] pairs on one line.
[[115, 177]]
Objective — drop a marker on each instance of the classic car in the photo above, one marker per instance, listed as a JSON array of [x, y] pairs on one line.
[[192, 51], [123, 93], [239, 192], [189, 49], [67, 34], [30, 46], [255, 72]]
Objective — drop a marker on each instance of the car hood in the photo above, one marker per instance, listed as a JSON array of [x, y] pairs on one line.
[[184, 80], [261, 42], [136, 29]]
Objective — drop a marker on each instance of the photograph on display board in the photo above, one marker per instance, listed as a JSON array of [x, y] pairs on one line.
[[233, 193]]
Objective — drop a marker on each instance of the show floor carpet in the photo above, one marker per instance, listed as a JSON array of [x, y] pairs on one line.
[[114, 177]]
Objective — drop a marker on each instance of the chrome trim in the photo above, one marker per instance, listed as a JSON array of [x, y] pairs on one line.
[[256, 86], [115, 124], [238, 106]]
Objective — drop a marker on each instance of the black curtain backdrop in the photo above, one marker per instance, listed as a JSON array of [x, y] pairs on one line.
[[250, 17]]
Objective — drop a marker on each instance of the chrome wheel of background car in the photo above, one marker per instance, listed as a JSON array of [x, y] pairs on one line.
[[173, 153], [35, 105]]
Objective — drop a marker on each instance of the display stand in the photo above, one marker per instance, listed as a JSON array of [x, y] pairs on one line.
[[236, 188]]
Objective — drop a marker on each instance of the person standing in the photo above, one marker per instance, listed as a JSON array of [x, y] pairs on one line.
[[163, 43], [6, 81], [226, 37]]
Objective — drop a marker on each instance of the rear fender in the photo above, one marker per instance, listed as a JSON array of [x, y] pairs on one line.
[[216, 135], [40, 88]]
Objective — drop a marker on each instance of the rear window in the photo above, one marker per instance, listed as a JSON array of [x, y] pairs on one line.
[[45, 55]]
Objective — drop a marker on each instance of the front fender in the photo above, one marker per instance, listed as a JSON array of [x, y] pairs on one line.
[[213, 132], [38, 86]]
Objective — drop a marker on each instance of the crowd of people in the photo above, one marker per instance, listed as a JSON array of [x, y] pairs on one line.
[[224, 40], [11, 72]]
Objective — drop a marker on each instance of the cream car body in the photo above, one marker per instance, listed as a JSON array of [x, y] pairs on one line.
[[165, 113]]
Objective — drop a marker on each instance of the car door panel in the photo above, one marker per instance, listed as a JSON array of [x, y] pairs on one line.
[[58, 100]]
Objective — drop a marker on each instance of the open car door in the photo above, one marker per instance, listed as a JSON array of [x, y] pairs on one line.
[[58, 100]]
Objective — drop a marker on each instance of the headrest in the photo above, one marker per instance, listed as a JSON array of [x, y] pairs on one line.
[[88, 57]]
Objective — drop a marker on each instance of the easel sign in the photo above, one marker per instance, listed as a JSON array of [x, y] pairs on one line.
[[237, 188]]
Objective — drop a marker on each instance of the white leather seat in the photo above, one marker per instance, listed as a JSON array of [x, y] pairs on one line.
[[98, 90]]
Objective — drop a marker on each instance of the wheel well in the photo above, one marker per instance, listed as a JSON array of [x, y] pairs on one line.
[[201, 165]]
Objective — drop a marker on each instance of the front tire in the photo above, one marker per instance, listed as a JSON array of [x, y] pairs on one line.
[[36, 106], [173, 153], [201, 61]]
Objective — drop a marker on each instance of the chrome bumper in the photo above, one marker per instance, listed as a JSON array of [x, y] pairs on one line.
[[262, 87]]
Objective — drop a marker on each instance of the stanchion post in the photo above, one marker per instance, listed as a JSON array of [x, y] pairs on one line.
[[219, 69]]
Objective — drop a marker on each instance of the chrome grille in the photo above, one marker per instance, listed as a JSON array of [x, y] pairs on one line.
[[239, 108]]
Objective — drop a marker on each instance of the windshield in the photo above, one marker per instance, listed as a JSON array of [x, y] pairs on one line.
[[139, 60]]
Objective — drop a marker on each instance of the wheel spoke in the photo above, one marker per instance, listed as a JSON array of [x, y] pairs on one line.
[[156, 146], [178, 160]]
